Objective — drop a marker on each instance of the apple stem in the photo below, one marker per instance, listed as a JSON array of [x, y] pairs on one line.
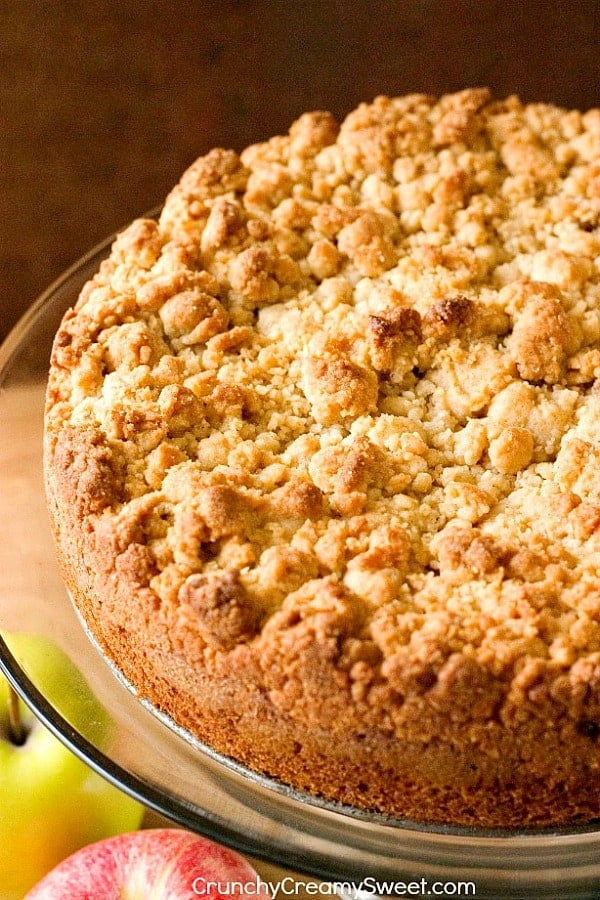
[[15, 724]]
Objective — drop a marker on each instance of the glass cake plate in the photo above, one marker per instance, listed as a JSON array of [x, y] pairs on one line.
[[173, 774]]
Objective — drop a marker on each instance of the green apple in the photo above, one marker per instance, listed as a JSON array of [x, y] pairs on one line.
[[51, 803]]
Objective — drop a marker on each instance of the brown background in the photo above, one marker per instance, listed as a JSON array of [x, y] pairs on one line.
[[103, 104]]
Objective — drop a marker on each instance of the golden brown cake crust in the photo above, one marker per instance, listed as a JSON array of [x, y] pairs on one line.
[[322, 456]]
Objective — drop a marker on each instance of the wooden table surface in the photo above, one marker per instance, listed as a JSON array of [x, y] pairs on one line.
[[102, 105]]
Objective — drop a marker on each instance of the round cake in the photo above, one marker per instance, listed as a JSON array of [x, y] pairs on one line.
[[322, 458]]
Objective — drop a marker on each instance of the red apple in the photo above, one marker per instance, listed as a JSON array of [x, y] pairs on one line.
[[160, 863]]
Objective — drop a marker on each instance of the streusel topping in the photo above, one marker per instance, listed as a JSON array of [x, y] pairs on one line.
[[353, 371]]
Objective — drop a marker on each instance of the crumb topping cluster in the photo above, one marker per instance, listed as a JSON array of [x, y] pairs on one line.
[[350, 376]]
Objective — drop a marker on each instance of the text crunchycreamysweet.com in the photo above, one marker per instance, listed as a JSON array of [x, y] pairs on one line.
[[348, 890]]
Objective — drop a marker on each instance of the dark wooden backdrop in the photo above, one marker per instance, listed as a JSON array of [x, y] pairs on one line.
[[103, 104]]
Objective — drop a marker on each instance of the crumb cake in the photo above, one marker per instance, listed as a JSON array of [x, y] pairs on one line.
[[322, 458]]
